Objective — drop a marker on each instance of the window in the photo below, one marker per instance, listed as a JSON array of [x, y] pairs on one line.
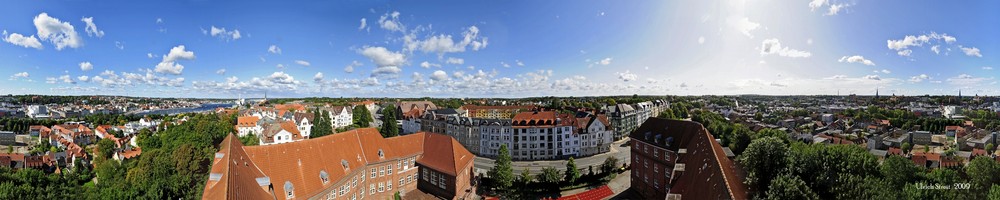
[[290, 190], [425, 175], [381, 171], [388, 169], [371, 189], [399, 164], [362, 177], [433, 177], [324, 176], [373, 173], [441, 181], [402, 180], [388, 185], [362, 192], [381, 187], [355, 182]]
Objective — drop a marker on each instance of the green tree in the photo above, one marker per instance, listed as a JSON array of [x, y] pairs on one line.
[[390, 128], [250, 140], [994, 192], [790, 187], [763, 160], [609, 165], [105, 148], [899, 171], [502, 173], [572, 173], [549, 175], [361, 116], [906, 147], [989, 148], [983, 172], [741, 137]]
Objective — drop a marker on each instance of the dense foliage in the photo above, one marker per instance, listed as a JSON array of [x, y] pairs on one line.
[[322, 125], [361, 117], [502, 173], [390, 128]]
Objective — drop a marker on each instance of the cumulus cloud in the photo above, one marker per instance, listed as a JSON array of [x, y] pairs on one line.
[[60, 33], [20, 40], [919, 78], [318, 77], [987, 68], [83, 78], [390, 21], [835, 8], [220, 72], [971, 51], [382, 56], [439, 75], [86, 66], [836, 77], [350, 67], [627, 76], [20, 75], [441, 44], [773, 47], [856, 59], [67, 79], [426, 64], [364, 24], [872, 77], [519, 63], [902, 46], [605, 61], [120, 45], [224, 34], [91, 27], [968, 80], [454, 61], [745, 26], [169, 64], [303, 63], [274, 49], [886, 71]]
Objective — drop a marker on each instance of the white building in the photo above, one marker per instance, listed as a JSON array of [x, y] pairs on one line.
[[248, 125], [282, 132], [340, 116], [595, 136], [304, 123]]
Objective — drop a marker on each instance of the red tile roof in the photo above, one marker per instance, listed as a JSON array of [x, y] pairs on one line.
[[300, 163], [537, 118], [449, 157]]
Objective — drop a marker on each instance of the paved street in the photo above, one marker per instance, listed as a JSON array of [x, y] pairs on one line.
[[618, 150]]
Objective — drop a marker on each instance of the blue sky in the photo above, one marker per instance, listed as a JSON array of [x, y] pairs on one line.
[[497, 49]]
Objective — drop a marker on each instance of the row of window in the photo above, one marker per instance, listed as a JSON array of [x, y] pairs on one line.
[[382, 187], [434, 178]]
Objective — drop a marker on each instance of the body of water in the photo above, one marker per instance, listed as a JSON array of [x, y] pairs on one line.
[[204, 107]]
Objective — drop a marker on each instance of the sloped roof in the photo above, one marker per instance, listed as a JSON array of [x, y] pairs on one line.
[[709, 174], [233, 176], [444, 154]]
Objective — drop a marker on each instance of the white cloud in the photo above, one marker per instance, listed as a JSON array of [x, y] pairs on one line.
[[20, 40], [605, 61], [886, 71], [455, 61], [223, 34], [350, 67], [936, 49], [504, 64], [86, 66], [627, 76], [120, 45], [318, 77], [856, 59], [83, 78], [62, 34], [386, 62], [439, 76], [21, 75], [67, 79], [987, 68], [835, 8], [919, 78], [816, 4], [169, 64], [745, 26], [968, 80], [971, 51], [773, 46], [442, 43], [159, 20], [91, 27], [426, 64], [220, 72], [872, 77], [274, 49], [150, 55], [809, 41], [303, 63], [280, 66], [519, 63], [364, 23], [902, 46], [391, 22], [701, 40]]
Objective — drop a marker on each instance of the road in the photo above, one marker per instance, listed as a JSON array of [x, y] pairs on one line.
[[618, 150]]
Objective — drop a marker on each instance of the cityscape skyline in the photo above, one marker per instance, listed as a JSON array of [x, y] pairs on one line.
[[483, 49]]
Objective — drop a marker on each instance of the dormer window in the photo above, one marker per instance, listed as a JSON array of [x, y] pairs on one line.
[[345, 164], [324, 176], [381, 154], [289, 190]]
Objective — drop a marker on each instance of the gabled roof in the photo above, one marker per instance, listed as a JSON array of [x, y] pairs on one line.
[[233, 176], [444, 154]]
